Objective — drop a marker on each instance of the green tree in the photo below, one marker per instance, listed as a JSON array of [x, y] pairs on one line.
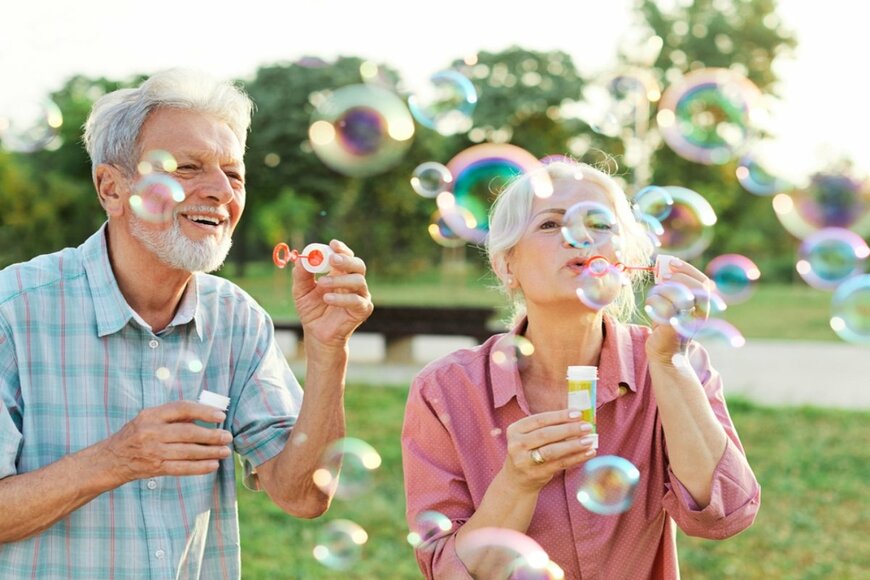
[[745, 36]]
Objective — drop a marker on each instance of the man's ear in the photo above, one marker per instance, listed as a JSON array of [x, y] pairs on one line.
[[112, 189]]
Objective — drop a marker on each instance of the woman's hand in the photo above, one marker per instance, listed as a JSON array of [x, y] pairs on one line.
[[684, 295], [541, 445]]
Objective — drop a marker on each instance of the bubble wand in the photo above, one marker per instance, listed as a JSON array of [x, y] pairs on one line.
[[314, 257]]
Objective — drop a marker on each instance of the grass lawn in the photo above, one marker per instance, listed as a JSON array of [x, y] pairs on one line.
[[814, 520], [775, 311]]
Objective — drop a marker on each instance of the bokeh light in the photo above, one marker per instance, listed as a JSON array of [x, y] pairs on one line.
[[32, 127], [512, 352]]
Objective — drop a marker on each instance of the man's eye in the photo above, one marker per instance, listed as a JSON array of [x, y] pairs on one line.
[[549, 225]]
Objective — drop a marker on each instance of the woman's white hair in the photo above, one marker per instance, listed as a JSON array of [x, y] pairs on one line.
[[511, 211], [113, 127]]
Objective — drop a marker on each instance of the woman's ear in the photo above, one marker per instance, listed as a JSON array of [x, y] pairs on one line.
[[112, 189]]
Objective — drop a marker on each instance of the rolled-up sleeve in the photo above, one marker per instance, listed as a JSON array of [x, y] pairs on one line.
[[267, 396], [433, 482], [735, 492], [10, 406]]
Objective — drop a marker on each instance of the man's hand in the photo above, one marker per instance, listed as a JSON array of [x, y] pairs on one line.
[[164, 440], [331, 307]]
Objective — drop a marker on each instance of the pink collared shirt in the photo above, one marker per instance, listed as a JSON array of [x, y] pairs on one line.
[[453, 445]]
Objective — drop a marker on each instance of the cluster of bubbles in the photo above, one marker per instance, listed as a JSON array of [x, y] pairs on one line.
[[345, 471]]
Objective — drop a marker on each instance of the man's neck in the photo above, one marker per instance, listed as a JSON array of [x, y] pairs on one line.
[[149, 286]]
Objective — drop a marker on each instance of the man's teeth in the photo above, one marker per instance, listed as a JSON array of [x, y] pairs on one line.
[[204, 219]]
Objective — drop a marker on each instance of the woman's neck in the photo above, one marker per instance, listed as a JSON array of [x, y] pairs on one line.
[[561, 340]]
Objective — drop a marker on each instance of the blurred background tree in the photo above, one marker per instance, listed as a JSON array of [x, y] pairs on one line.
[[524, 98]]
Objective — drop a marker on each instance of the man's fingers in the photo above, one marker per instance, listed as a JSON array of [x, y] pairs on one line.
[[184, 411], [179, 468], [194, 452]]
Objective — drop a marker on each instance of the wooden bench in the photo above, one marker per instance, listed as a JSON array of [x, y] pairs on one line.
[[399, 324]]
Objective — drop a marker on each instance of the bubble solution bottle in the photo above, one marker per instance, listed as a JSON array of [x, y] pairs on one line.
[[582, 392], [219, 402]]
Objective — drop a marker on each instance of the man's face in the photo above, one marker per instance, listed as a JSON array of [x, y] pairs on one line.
[[210, 170]]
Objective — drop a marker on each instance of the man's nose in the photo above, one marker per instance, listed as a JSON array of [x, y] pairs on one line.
[[215, 185]]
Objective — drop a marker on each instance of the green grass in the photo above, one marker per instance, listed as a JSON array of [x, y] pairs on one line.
[[775, 311], [814, 521]]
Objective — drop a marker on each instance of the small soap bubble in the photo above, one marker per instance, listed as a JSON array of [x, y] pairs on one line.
[[830, 256], [346, 468], [428, 525], [163, 374], [588, 224], [156, 160], [446, 104], [735, 276], [665, 300], [716, 330], [339, 544], [850, 310], [431, 178], [756, 180], [524, 569], [441, 233], [154, 197], [599, 283], [654, 201], [688, 228], [608, 484]]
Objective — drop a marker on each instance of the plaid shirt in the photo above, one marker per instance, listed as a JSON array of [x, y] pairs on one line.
[[76, 364]]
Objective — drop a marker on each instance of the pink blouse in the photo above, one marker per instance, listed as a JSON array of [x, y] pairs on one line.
[[453, 445]]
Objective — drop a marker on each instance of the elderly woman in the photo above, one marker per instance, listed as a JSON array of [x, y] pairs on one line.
[[495, 446]]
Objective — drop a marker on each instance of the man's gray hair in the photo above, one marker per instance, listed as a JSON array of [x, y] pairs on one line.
[[113, 127]]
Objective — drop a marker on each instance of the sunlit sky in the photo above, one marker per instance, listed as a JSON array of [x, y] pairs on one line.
[[822, 115]]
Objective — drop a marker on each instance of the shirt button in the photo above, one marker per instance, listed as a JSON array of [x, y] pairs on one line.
[[153, 343], [152, 484], [159, 554]]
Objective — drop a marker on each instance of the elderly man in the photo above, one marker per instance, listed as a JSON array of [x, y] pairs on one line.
[[108, 467]]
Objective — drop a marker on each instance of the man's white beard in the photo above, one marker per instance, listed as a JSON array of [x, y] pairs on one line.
[[175, 249]]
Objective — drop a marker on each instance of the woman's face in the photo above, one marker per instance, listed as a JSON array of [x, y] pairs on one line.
[[542, 264]]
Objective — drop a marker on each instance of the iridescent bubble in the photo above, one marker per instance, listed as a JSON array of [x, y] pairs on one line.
[[691, 322], [339, 544], [428, 526], [431, 178], [599, 283], [829, 201], [441, 233], [155, 196], [654, 201], [33, 127], [666, 300], [512, 549], [756, 180], [720, 331], [446, 104], [588, 224], [850, 310], [830, 256], [735, 276], [707, 117], [688, 226], [361, 130], [512, 351], [479, 173], [608, 484], [346, 468]]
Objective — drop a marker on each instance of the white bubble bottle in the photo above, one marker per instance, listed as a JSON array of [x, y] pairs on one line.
[[219, 402]]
